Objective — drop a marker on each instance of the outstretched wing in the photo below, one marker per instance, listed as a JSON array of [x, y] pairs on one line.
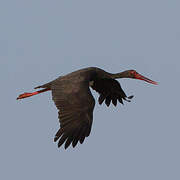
[[75, 104], [109, 90]]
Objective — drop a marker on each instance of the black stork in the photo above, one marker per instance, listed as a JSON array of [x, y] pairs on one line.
[[73, 99]]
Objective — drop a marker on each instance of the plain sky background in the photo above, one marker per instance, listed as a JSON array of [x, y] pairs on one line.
[[42, 39]]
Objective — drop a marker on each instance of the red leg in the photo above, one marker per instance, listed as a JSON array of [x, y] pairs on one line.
[[25, 95]]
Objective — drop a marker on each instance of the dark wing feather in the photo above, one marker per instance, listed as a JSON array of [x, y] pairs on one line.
[[75, 104], [110, 90]]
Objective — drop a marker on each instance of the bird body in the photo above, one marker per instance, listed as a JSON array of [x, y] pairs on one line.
[[73, 99], [86, 74]]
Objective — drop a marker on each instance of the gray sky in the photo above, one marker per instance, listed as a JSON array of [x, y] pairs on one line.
[[40, 40]]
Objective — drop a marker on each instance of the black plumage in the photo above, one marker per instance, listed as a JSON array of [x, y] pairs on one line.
[[75, 103]]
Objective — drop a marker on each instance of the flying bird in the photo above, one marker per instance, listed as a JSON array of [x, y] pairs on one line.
[[75, 103]]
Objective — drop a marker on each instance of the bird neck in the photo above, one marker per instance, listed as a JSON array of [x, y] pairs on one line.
[[123, 74]]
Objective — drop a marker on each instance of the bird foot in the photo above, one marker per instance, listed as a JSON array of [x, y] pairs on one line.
[[24, 95]]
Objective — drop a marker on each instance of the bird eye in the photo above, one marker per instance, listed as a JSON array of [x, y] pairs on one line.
[[133, 73]]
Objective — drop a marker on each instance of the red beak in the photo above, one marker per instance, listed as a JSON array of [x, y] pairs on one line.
[[140, 77]]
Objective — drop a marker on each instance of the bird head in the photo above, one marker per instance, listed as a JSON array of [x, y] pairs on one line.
[[135, 75]]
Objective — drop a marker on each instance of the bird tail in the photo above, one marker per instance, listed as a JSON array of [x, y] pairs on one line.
[[47, 85]]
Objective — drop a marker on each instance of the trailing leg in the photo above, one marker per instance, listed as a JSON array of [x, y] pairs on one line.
[[26, 94]]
